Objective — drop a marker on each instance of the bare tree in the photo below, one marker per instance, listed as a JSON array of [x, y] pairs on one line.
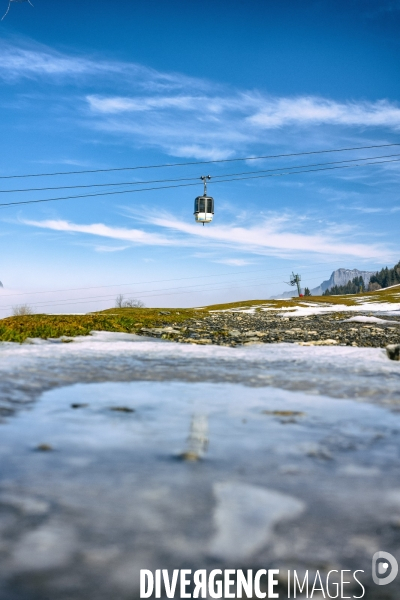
[[133, 303], [120, 302], [21, 310]]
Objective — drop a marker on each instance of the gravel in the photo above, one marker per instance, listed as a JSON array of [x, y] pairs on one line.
[[237, 329]]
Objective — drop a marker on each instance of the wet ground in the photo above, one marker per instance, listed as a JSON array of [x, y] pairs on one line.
[[119, 453]]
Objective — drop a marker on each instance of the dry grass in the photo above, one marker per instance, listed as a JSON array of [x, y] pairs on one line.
[[127, 320], [386, 295]]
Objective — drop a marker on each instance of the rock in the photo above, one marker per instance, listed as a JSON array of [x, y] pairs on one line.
[[252, 334], [319, 343], [393, 351], [189, 456], [164, 312], [268, 327], [44, 448]]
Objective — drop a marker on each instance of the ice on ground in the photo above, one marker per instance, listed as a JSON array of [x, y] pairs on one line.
[[27, 370], [94, 336], [294, 456], [287, 477]]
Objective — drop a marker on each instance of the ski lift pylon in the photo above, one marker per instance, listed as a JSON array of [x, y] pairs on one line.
[[204, 205]]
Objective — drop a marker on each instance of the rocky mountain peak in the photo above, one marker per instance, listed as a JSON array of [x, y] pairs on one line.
[[339, 277]]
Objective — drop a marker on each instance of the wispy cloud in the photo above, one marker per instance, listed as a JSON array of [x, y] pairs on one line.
[[274, 236], [270, 236], [135, 236], [198, 125], [25, 59], [233, 262], [185, 116], [16, 62], [313, 110], [111, 248], [261, 111]]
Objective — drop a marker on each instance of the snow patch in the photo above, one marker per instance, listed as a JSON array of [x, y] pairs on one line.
[[365, 319]]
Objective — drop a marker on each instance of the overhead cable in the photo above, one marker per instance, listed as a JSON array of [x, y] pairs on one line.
[[197, 276], [200, 162], [214, 177], [164, 187], [146, 294]]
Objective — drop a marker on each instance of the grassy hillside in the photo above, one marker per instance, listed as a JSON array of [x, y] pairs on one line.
[[384, 295], [128, 320], [131, 320]]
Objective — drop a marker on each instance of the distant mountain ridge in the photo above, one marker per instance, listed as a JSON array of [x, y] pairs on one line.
[[341, 277], [338, 277]]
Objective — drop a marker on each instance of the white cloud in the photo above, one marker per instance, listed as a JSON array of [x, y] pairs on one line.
[[184, 116], [117, 104], [20, 62], [31, 60], [234, 262], [110, 248], [308, 110], [273, 236], [136, 236], [210, 126]]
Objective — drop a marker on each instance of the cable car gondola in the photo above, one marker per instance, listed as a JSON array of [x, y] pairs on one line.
[[204, 205]]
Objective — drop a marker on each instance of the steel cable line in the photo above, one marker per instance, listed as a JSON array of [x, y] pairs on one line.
[[200, 162], [118, 183], [95, 287], [279, 174], [147, 295], [139, 293]]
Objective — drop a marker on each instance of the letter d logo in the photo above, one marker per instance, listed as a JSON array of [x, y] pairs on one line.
[[384, 568]]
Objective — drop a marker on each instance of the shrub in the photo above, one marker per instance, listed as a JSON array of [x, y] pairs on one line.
[[120, 302], [21, 310], [133, 303]]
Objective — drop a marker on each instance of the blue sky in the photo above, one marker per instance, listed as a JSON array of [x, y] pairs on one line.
[[97, 85]]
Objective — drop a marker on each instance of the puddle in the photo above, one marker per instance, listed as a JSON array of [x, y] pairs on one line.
[[288, 451]]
